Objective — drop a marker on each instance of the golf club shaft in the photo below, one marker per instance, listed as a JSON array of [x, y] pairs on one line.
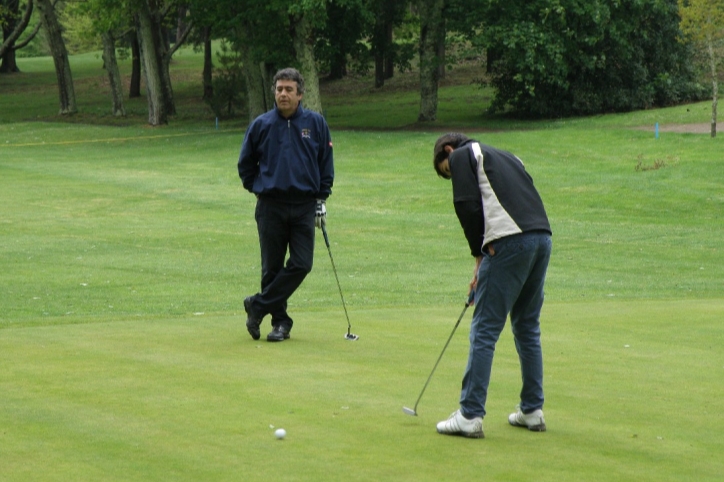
[[339, 286], [470, 302]]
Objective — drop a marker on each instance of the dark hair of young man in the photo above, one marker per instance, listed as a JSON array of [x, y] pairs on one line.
[[452, 139]]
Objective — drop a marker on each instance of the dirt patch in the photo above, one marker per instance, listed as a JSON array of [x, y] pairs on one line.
[[680, 128]]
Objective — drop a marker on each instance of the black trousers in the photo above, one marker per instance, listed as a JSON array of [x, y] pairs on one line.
[[283, 226]]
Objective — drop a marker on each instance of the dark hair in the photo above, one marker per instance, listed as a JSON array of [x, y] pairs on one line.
[[452, 139], [289, 74]]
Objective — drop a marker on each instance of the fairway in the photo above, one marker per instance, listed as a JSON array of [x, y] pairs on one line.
[[126, 253]]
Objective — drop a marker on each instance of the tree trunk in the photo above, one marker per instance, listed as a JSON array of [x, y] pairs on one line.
[[161, 50], [135, 89], [114, 75], [267, 73], [431, 30], [180, 23], [441, 53], [338, 66], [380, 47], [9, 65], [304, 48], [714, 84], [255, 84], [7, 51], [389, 58], [60, 57], [157, 113], [208, 65], [12, 29], [379, 69]]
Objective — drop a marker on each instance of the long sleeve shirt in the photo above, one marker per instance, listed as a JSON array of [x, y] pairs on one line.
[[289, 159], [493, 194]]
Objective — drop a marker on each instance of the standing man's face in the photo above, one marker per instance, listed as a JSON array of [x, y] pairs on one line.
[[286, 97]]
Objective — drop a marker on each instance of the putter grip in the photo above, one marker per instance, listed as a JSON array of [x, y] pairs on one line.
[[471, 298], [324, 232]]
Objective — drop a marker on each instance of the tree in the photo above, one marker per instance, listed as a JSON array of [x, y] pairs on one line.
[[343, 36], [553, 58], [135, 84], [105, 22], [228, 83], [13, 26], [269, 34], [114, 75], [52, 27], [148, 39], [432, 33], [156, 55], [208, 64], [243, 24], [302, 25], [387, 14], [703, 22]]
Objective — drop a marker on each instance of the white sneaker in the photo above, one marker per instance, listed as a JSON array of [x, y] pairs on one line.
[[533, 421], [459, 425]]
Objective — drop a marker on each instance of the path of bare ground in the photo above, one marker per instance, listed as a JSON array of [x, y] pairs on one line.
[[680, 128]]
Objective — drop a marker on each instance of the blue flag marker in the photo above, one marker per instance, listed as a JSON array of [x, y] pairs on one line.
[[657, 130]]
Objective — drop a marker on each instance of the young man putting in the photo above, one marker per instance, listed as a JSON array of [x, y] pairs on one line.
[[507, 229]]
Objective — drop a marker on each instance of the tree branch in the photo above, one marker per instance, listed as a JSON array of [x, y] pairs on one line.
[[30, 37], [19, 29], [180, 41]]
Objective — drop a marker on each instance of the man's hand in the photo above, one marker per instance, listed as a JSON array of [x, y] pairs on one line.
[[474, 281], [320, 216]]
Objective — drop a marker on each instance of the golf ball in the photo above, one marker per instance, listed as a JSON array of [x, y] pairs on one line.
[[280, 433]]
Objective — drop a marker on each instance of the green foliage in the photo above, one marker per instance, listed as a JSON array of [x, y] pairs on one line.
[[340, 48], [38, 46], [702, 20], [79, 30], [258, 25], [229, 86], [702, 23], [556, 58], [406, 41]]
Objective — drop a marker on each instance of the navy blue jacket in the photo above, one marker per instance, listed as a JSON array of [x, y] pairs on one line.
[[289, 159]]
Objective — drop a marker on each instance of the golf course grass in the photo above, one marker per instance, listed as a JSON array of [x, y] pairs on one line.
[[126, 252]]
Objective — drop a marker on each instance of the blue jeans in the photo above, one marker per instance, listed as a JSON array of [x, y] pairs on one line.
[[510, 281]]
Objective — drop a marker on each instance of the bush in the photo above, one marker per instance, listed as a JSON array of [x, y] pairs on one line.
[[566, 57], [229, 86]]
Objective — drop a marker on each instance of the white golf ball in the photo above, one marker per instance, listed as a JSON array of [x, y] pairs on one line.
[[280, 433]]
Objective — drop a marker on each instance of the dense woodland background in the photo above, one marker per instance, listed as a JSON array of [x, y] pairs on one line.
[[543, 58]]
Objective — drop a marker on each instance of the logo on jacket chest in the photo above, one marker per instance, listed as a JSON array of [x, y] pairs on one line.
[[306, 133]]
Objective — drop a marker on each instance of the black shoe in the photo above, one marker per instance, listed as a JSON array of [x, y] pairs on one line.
[[279, 333], [252, 322]]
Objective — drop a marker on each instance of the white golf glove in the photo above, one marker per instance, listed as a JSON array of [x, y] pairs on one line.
[[320, 216]]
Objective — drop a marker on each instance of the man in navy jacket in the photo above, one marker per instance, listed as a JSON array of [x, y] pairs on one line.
[[286, 161], [508, 232]]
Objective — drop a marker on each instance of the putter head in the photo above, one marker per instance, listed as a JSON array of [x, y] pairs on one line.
[[351, 337], [409, 411]]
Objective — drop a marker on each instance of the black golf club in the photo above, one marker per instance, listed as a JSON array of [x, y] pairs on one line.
[[413, 411], [348, 336]]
